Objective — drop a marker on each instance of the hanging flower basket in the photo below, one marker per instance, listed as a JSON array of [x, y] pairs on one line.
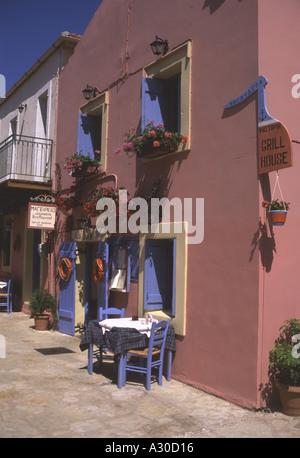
[[276, 211], [277, 217]]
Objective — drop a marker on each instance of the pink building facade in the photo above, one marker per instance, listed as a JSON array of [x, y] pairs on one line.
[[229, 289]]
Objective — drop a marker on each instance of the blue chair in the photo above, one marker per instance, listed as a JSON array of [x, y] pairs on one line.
[[103, 314], [143, 361], [6, 296], [111, 312]]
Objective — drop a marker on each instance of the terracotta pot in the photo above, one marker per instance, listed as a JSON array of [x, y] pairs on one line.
[[41, 322], [277, 217], [290, 400]]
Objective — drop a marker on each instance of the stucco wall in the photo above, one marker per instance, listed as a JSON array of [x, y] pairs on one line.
[[279, 293], [219, 350]]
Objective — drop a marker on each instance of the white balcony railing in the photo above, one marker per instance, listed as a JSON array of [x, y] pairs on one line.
[[26, 158]]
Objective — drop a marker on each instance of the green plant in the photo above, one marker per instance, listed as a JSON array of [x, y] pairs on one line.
[[153, 138], [41, 301], [275, 205], [156, 189], [284, 367]]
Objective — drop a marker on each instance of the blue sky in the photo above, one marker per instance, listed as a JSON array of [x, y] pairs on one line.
[[29, 27]]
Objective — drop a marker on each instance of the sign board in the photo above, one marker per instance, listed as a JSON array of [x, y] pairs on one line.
[[274, 143], [274, 147], [41, 216]]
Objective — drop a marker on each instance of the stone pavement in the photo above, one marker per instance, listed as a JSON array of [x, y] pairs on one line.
[[46, 392]]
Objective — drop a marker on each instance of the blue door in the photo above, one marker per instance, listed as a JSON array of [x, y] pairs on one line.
[[67, 292], [159, 279]]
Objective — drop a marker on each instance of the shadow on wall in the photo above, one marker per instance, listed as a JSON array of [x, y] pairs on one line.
[[265, 244], [213, 5]]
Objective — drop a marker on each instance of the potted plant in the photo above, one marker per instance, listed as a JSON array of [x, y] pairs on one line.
[[80, 165], [154, 141], [41, 302], [276, 211], [284, 367]]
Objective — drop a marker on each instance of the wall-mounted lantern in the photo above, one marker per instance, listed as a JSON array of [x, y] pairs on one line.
[[159, 46], [90, 92]]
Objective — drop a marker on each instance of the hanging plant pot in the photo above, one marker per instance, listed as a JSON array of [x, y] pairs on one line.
[[84, 171], [277, 217]]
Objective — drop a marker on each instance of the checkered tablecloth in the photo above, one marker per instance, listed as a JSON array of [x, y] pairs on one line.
[[119, 340]]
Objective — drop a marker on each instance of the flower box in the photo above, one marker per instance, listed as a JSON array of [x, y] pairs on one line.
[[154, 141], [85, 170], [80, 165]]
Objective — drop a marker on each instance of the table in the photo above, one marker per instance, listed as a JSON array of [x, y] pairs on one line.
[[3, 285], [121, 338], [141, 325]]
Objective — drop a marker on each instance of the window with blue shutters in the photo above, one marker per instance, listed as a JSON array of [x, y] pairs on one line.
[[166, 92], [159, 279], [161, 102], [163, 274], [92, 129], [89, 135]]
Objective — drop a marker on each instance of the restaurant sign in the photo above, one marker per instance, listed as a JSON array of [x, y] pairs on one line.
[[274, 142], [274, 147], [41, 216]]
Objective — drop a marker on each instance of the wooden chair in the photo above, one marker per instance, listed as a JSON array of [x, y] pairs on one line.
[[111, 312], [103, 314], [143, 361], [6, 296]]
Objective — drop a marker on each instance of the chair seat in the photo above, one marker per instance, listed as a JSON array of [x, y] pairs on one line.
[[155, 347], [144, 352]]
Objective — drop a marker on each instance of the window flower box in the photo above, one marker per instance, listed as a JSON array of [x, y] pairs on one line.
[[153, 142], [80, 165]]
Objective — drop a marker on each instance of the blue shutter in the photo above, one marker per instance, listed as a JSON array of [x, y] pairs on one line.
[[67, 292], [102, 289], [153, 101], [88, 138], [159, 283], [87, 282]]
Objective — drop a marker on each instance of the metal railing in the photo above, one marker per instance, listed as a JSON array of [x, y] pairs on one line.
[[26, 158]]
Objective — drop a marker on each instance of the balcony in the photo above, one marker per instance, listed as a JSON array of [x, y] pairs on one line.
[[26, 159]]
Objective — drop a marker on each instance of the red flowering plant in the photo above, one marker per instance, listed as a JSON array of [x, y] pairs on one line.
[[66, 202], [89, 206], [79, 163], [151, 140], [276, 205]]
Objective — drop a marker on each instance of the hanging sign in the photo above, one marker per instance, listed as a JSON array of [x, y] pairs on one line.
[[41, 216], [274, 142]]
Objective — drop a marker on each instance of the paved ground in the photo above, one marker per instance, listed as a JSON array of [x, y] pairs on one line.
[[46, 392]]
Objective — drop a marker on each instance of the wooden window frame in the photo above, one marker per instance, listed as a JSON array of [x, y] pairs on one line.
[[178, 231], [99, 106], [174, 63]]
